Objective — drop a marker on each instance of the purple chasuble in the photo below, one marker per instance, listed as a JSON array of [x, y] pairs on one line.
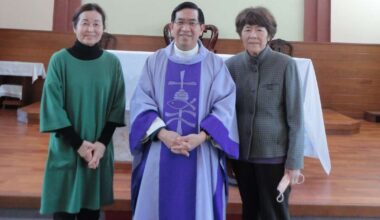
[[178, 173]]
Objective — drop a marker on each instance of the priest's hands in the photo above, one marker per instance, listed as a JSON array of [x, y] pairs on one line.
[[170, 139], [181, 144], [92, 153], [192, 141]]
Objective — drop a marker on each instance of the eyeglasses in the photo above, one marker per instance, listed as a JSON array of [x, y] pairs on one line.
[[183, 23]]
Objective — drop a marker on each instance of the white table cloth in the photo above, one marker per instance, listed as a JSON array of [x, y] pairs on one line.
[[15, 68], [315, 133], [9, 90], [315, 136]]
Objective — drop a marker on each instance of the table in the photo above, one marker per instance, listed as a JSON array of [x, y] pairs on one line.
[[26, 69], [20, 90], [315, 136], [132, 63]]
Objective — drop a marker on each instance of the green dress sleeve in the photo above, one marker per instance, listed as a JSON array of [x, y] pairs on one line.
[[117, 111], [52, 111]]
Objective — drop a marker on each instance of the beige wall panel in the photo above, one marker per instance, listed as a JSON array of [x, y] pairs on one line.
[[355, 21], [148, 17], [27, 14]]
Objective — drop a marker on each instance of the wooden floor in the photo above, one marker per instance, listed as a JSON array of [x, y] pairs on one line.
[[352, 189]]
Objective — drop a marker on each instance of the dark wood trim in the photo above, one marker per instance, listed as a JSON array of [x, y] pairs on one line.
[[63, 11], [317, 19]]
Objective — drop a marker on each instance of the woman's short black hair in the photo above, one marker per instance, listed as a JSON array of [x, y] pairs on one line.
[[256, 16], [89, 7]]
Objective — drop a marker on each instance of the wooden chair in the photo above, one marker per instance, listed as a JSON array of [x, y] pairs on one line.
[[209, 42], [281, 46], [108, 41]]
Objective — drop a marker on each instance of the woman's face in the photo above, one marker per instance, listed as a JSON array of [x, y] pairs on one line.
[[89, 29], [254, 38]]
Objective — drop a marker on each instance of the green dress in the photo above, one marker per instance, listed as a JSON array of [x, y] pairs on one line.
[[84, 94]]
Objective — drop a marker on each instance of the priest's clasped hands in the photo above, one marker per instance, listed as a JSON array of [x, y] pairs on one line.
[[92, 153], [181, 144]]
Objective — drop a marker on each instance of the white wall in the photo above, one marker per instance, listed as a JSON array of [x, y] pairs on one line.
[[352, 21], [147, 17], [27, 14], [355, 21]]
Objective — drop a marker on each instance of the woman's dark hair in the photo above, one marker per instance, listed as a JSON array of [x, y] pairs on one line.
[[191, 5], [256, 16], [89, 7]]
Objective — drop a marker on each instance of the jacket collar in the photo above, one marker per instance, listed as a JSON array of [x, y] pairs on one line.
[[259, 58]]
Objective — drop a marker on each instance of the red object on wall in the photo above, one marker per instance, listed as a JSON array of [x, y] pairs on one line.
[[63, 12], [317, 20]]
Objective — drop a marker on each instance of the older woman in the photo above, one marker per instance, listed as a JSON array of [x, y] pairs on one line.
[[269, 113], [82, 104]]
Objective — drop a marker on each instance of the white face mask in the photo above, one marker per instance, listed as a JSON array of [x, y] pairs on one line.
[[284, 183]]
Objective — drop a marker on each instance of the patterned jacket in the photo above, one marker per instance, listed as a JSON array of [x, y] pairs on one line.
[[268, 106]]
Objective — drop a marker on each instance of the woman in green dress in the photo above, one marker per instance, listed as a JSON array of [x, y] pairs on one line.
[[83, 101]]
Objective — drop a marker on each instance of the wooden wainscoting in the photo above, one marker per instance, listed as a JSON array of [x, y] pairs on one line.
[[348, 74]]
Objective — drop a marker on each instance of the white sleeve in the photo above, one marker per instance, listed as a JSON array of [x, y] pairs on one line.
[[156, 124]]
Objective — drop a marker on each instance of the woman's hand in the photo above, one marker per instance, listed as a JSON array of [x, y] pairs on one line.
[[295, 176], [85, 150], [98, 153]]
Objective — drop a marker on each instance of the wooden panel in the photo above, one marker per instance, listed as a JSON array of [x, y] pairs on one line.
[[336, 123], [348, 74], [32, 46]]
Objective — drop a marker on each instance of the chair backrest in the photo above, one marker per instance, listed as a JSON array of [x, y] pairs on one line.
[[208, 41], [108, 41], [281, 46]]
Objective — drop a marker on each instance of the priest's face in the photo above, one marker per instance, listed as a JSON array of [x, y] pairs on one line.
[[186, 29], [89, 28]]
